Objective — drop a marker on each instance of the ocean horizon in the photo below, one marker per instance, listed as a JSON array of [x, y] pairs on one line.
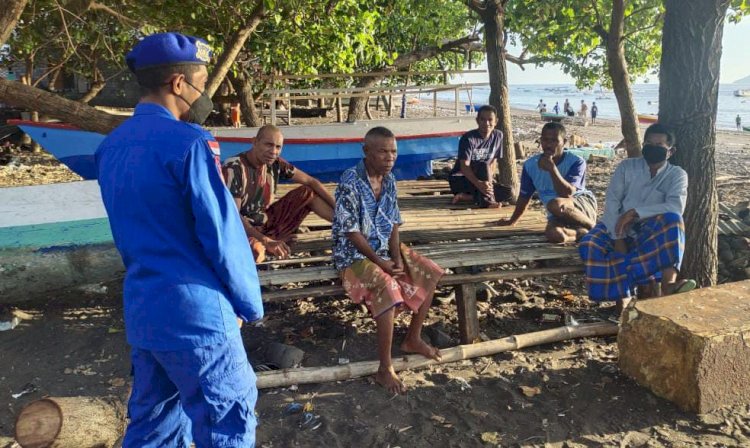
[[645, 96]]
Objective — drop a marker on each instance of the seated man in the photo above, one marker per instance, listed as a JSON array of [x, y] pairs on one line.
[[375, 268], [472, 176], [641, 234], [560, 179], [252, 177]]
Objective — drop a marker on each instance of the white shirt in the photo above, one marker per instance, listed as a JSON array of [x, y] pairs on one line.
[[632, 187]]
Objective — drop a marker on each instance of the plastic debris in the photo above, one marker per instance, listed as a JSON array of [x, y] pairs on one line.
[[293, 408], [310, 421], [27, 389], [10, 324]]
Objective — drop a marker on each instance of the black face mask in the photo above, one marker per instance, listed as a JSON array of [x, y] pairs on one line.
[[653, 154], [200, 109]]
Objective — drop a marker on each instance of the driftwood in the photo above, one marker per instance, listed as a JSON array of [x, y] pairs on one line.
[[310, 375], [71, 422]]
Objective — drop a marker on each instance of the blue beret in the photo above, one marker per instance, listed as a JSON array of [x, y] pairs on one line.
[[167, 49]]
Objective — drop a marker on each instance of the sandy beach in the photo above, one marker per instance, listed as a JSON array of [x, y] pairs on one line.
[[568, 394]]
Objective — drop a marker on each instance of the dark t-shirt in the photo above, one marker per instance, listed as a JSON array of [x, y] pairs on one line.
[[474, 148]]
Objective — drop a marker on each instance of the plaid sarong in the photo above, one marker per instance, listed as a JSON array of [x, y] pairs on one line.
[[659, 243], [284, 218]]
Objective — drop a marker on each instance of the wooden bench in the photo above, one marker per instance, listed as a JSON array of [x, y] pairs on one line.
[[458, 238]]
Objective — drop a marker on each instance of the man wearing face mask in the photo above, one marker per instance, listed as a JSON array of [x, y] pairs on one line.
[[641, 236], [189, 270]]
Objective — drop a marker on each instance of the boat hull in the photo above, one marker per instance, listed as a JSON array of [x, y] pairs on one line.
[[323, 151]]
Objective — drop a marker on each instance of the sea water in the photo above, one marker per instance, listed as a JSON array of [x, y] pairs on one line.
[[646, 97]]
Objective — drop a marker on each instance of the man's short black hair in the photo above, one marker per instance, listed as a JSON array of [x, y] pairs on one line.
[[379, 131], [486, 108], [658, 128], [555, 126], [154, 78]]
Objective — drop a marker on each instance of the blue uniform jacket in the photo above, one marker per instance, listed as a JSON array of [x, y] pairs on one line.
[[189, 267]]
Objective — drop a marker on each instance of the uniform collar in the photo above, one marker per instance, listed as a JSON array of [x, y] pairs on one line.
[[153, 109]]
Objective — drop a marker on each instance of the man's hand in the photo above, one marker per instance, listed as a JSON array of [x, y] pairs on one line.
[[625, 222], [485, 187], [506, 222], [546, 163], [392, 268], [277, 248]]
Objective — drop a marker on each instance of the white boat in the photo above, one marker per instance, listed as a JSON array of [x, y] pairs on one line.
[[742, 92]]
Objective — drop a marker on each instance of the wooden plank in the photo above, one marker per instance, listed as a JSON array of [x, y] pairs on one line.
[[366, 74], [447, 280], [448, 260], [468, 320]]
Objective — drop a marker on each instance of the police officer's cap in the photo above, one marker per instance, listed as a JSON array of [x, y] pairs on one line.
[[168, 49]]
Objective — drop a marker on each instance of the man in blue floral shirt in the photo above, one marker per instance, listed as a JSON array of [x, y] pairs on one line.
[[375, 267]]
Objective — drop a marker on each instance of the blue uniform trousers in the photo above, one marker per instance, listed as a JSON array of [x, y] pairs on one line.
[[204, 395]]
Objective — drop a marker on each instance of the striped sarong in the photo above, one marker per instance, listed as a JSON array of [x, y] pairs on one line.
[[284, 218], [659, 243], [365, 282]]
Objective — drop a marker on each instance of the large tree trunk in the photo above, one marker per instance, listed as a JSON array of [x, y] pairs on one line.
[[96, 87], [10, 12], [233, 48], [494, 21], [618, 71], [358, 105], [243, 85], [688, 98], [73, 112]]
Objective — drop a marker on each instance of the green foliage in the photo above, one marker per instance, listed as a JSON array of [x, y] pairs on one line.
[[572, 33]]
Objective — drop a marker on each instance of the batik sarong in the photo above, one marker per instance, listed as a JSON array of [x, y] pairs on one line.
[[659, 243], [283, 218], [365, 282]]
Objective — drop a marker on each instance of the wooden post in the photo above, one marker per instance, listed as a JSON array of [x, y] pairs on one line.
[[273, 109], [455, 99], [468, 321], [339, 109], [434, 103], [390, 105]]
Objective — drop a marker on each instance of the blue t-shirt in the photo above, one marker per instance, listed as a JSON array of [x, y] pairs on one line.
[[189, 267], [474, 148], [571, 167]]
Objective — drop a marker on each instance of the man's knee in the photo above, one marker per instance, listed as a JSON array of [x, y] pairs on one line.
[[672, 218]]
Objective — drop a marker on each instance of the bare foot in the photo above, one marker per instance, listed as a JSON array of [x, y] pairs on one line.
[[390, 381], [461, 197], [421, 347], [494, 205]]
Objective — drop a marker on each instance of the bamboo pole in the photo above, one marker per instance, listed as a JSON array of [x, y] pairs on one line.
[[313, 375]]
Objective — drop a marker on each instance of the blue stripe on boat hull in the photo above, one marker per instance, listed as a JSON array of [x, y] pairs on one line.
[[326, 161]]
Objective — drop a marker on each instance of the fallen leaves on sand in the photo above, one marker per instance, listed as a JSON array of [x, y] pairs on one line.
[[530, 391], [491, 437]]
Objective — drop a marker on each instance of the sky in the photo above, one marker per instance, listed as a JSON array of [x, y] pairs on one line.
[[735, 61]]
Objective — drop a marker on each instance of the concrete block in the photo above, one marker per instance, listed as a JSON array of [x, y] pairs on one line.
[[693, 348]]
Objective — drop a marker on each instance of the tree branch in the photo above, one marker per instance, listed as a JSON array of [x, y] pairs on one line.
[[10, 12]]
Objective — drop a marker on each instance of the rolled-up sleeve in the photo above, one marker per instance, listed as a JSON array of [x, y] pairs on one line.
[[220, 232], [675, 199]]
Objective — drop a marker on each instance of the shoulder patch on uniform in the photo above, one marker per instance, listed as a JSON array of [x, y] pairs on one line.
[[214, 145]]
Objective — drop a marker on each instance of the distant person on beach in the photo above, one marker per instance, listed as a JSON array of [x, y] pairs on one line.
[[472, 176], [559, 177], [566, 106], [556, 109], [543, 109], [252, 178], [594, 112], [375, 268], [641, 236], [187, 274], [738, 120], [584, 112], [235, 114], [540, 105]]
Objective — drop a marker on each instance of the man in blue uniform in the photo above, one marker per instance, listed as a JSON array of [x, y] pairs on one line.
[[189, 270]]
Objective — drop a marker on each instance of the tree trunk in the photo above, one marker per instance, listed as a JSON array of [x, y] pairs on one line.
[[73, 112], [10, 12], [688, 99], [233, 48], [358, 105], [618, 72], [71, 422], [243, 85], [493, 33]]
